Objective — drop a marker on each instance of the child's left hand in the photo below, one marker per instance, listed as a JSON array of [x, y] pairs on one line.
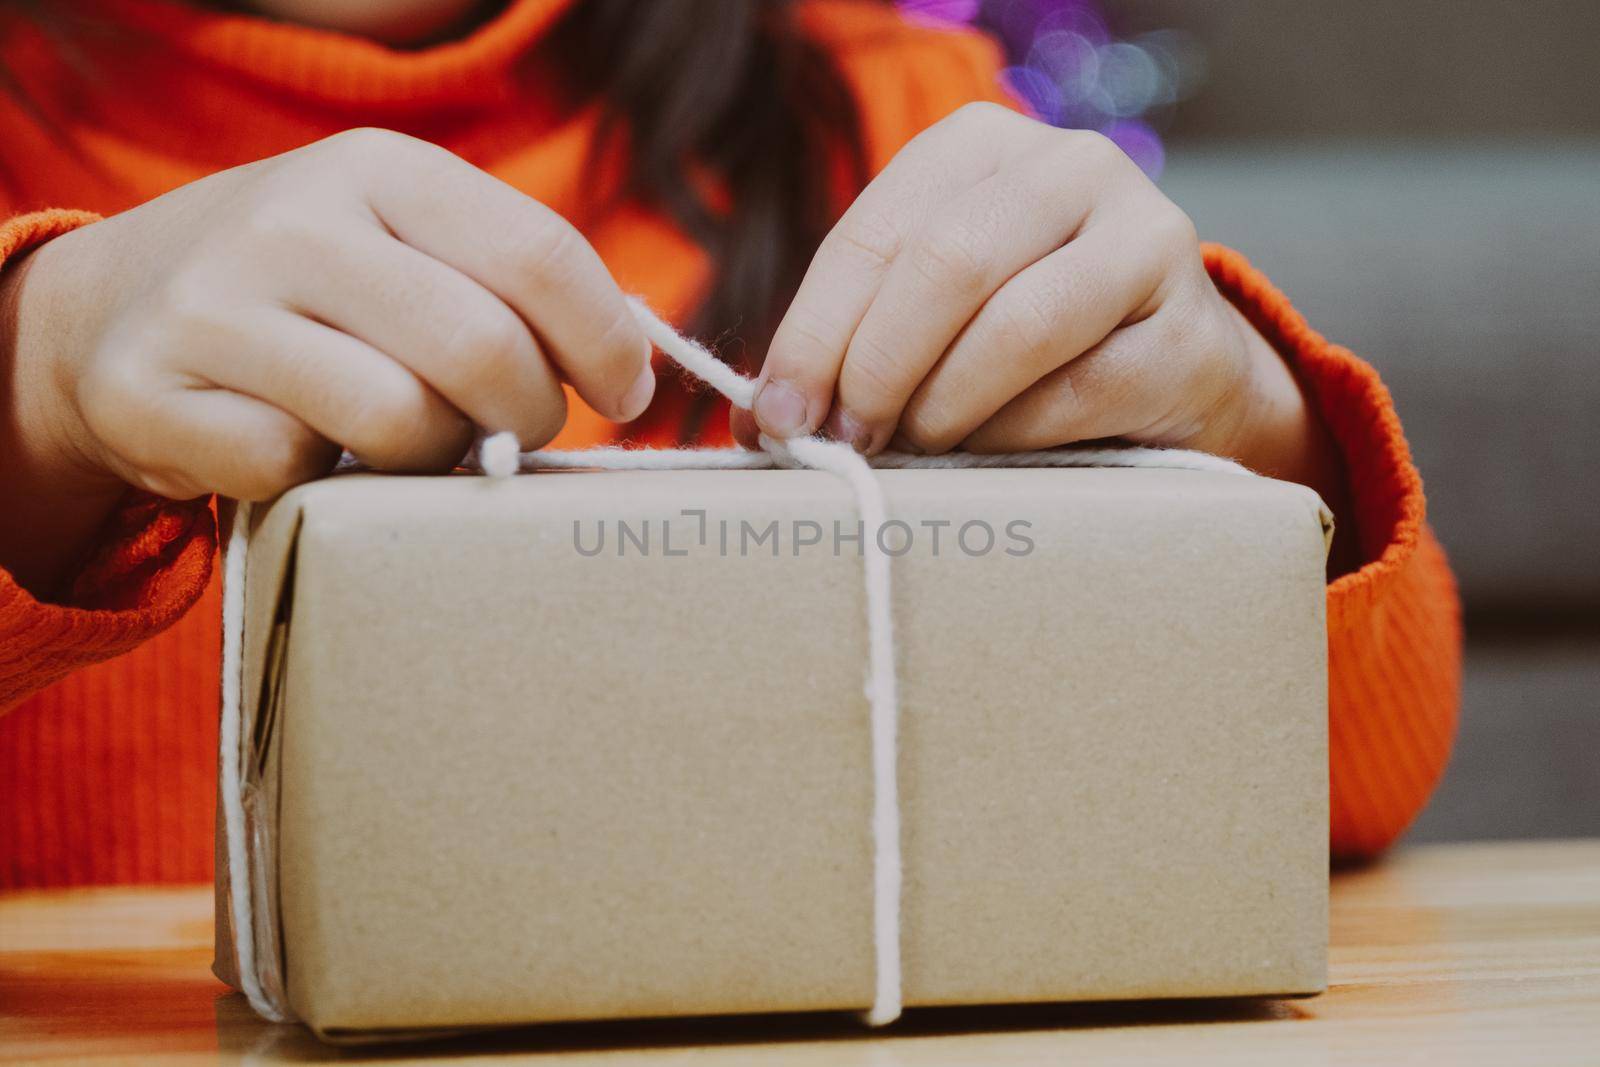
[[1004, 285]]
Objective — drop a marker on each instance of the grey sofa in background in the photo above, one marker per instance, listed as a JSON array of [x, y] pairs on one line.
[[1469, 275], [1423, 180]]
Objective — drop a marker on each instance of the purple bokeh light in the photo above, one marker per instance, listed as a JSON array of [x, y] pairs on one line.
[[1141, 142], [1069, 69]]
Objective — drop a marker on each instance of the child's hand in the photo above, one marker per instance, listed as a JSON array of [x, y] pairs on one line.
[[1004, 286], [369, 291]]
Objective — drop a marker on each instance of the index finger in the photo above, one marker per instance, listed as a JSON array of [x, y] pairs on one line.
[[795, 387], [531, 258]]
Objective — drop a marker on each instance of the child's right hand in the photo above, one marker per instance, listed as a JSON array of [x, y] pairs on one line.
[[369, 291]]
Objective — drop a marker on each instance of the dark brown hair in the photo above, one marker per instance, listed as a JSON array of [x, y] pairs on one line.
[[731, 87]]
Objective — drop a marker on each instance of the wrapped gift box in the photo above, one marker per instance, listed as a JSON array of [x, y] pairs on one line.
[[591, 745]]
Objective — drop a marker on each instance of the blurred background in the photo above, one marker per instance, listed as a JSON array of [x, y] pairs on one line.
[[1423, 179]]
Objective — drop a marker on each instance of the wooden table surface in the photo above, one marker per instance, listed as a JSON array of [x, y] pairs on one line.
[[1442, 955]]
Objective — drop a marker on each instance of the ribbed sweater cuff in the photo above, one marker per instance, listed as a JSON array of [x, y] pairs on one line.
[[152, 562], [24, 232], [1385, 489], [1394, 629]]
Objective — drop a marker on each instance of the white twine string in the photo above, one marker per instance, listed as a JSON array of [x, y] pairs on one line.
[[497, 456], [232, 757]]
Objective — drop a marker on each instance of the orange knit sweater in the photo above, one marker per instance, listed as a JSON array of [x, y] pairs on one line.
[[107, 750]]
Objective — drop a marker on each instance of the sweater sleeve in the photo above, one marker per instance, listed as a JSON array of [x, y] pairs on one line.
[[904, 75], [1394, 624], [151, 563]]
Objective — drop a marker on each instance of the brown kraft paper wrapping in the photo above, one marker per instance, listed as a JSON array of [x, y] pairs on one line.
[[504, 777]]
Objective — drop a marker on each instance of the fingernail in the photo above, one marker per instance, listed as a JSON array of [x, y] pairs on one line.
[[845, 427], [780, 409], [638, 395]]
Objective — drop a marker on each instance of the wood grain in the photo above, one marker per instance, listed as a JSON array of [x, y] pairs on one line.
[[1461, 954]]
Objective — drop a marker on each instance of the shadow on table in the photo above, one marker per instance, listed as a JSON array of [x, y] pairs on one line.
[[239, 1031]]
